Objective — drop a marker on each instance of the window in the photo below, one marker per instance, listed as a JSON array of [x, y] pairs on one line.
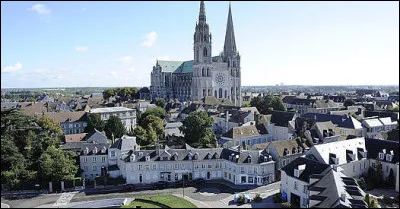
[[354, 168], [85, 168], [94, 159], [203, 165], [176, 177], [165, 158], [196, 166], [95, 168], [209, 165], [85, 159], [304, 201], [243, 179], [241, 169], [381, 156], [154, 166], [103, 159], [112, 153], [305, 189], [140, 178], [250, 180], [175, 166], [147, 167], [140, 167], [295, 185], [225, 175]]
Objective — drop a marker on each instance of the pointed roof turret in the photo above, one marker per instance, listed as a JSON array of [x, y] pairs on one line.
[[202, 14], [230, 44]]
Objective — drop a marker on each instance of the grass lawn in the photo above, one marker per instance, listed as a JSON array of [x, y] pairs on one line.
[[169, 200], [136, 203]]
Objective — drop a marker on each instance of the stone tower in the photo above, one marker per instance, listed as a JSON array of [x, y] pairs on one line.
[[202, 63], [231, 56]]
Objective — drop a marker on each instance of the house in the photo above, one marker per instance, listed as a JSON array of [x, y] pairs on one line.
[[283, 152], [234, 118], [282, 125], [372, 126], [240, 167], [96, 95], [335, 190], [350, 126], [388, 124], [74, 137], [119, 150], [70, 122], [304, 106], [245, 136], [326, 132], [349, 155], [33, 109], [297, 176], [127, 115], [142, 106], [172, 130], [92, 151], [387, 152], [45, 98]]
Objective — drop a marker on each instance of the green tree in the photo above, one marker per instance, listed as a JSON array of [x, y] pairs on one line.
[[263, 104], [134, 93], [151, 127], [391, 178], [378, 174], [197, 129], [156, 111], [348, 102], [160, 103], [49, 125], [108, 93], [56, 165], [246, 105], [94, 122], [371, 202], [114, 126]]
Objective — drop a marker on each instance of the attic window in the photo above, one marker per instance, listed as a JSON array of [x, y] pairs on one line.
[[381, 156], [147, 158], [249, 159]]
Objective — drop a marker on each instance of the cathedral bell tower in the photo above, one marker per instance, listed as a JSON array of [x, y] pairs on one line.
[[202, 63]]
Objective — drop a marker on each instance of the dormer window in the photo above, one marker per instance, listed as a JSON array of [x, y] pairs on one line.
[[285, 152], [86, 150], [132, 158], [294, 150], [216, 155], [140, 154], [249, 159], [381, 156], [103, 150], [299, 149], [147, 158], [208, 156], [196, 156], [389, 157], [95, 150]]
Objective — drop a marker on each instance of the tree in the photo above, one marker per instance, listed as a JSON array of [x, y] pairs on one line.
[[246, 105], [94, 122], [135, 93], [371, 202], [114, 126], [197, 129], [160, 102], [108, 93], [348, 102], [55, 165], [49, 125], [150, 128], [263, 104], [156, 111], [378, 174], [391, 178]]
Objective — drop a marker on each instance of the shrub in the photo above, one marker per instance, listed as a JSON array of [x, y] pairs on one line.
[[257, 198], [278, 198], [286, 205], [361, 182], [241, 199]]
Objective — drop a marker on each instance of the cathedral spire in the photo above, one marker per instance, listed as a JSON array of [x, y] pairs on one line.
[[202, 14], [230, 45]]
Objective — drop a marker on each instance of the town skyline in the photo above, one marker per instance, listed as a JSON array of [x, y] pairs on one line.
[[276, 42]]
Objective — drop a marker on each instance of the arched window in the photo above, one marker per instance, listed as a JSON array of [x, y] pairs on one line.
[[203, 72], [226, 93], [220, 93], [208, 72], [215, 93], [233, 64], [205, 37], [205, 52], [204, 92], [197, 55]]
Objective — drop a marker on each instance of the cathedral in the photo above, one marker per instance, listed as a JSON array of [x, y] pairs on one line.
[[205, 75]]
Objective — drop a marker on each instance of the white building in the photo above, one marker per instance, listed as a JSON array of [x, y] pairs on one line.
[[70, 122], [245, 136], [350, 155], [127, 115], [234, 118]]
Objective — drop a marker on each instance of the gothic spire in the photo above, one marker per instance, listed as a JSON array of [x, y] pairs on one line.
[[202, 14], [230, 45]]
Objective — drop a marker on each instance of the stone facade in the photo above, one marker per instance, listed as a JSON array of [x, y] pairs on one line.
[[218, 76]]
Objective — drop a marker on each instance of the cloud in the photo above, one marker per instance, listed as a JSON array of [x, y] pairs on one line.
[[132, 69], [149, 39], [125, 59], [81, 48], [41, 9], [113, 73], [59, 76], [12, 68]]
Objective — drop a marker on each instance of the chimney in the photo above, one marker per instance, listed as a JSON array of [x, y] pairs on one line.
[[343, 196]]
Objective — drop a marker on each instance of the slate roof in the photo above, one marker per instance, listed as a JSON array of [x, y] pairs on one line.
[[320, 117], [238, 116], [351, 123], [281, 118], [252, 109], [81, 146], [242, 132], [387, 121], [110, 109], [326, 104], [61, 117], [312, 167], [178, 66], [331, 186], [125, 143], [34, 109], [374, 146], [372, 122], [280, 147], [96, 137], [257, 157]]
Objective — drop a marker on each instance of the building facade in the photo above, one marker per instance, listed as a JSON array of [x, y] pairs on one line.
[[205, 75], [127, 115]]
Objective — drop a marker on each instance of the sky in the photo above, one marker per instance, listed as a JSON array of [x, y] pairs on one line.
[[110, 44]]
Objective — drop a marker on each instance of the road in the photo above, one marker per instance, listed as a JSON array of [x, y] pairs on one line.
[[199, 196]]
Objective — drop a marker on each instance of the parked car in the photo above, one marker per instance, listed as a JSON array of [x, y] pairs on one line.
[[128, 187], [179, 183], [161, 185], [199, 182]]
